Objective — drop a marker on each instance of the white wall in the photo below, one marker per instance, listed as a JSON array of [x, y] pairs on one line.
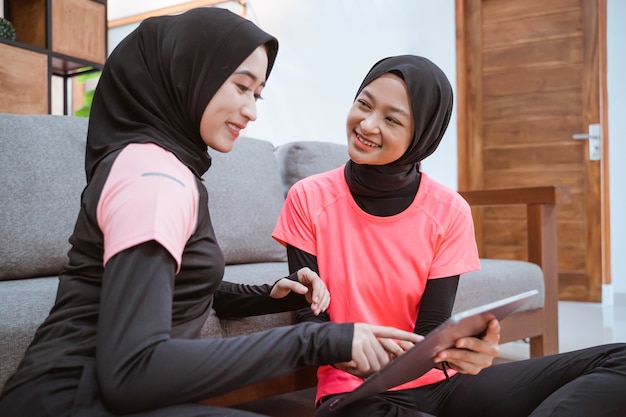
[[616, 67], [327, 47], [123, 8]]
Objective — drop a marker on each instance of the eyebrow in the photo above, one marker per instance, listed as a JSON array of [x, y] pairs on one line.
[[249, 74], [391, 108]]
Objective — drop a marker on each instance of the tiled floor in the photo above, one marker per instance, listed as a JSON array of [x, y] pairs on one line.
[[580, 325]]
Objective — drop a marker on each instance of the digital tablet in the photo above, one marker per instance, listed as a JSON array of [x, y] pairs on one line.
[[419, 359]]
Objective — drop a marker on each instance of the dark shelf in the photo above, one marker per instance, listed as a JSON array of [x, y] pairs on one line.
[[66, 66]]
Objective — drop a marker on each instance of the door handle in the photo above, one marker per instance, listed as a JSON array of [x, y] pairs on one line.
[[594, 141]]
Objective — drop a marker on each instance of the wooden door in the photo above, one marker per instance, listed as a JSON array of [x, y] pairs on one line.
[[531, 75]]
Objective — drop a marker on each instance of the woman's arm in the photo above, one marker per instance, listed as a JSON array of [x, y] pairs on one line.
[[299, 259], [240, 300], [302, 288], [436, 304], [141, 367], [470, 354]]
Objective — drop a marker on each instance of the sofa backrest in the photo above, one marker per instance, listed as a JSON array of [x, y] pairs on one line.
[[245, 198], [41, 178], [298, 160]]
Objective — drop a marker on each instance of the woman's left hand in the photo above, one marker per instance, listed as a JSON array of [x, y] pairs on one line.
[[470, 355], [310, 285]]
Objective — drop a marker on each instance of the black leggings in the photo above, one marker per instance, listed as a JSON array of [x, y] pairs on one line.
[[74, 392], [587, 382]]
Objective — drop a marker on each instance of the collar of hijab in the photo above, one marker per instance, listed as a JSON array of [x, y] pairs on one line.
[[157, 82], [389, 189]]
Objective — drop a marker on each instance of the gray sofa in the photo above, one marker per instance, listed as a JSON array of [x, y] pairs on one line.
[[41, 179]]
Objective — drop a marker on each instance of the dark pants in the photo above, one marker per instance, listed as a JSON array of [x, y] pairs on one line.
[[74, 392], [588, 382]]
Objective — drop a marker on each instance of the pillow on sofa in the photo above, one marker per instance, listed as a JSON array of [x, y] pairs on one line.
[[245, 198], [301, 159], [39, 195]]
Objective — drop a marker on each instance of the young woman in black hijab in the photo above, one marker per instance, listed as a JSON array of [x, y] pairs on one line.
[[390, 244], [145, 268]]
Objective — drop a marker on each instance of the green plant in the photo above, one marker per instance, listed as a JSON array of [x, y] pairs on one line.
[[7, 31], [88, 97]]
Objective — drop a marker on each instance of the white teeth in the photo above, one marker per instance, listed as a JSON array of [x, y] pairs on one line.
[[367, 142], [233, 127]]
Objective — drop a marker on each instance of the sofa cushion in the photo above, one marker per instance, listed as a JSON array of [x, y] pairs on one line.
[[24, 304], [41, 194], [212, 327], [498, 279], [245, 198], [247, 325], [256, 274], [301, 159]]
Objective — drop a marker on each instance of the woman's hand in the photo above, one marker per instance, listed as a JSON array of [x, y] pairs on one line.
[[470, 355], [373, 347], [310, 285]]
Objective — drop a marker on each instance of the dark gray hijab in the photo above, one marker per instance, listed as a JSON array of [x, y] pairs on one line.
[[385, 190], [158, 81]]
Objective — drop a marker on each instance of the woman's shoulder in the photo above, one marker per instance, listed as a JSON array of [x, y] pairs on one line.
[[150, 155], [149, 160], [148, 170], [435, 192], [319, 190], [323, 181]]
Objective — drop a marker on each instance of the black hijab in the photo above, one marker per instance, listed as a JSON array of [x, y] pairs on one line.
[[385, 190], [158, 81]]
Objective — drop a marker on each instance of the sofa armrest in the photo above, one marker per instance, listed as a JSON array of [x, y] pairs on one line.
[[541, 225]]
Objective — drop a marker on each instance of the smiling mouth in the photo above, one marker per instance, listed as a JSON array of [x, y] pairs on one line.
[[234, 127], [367, 142]]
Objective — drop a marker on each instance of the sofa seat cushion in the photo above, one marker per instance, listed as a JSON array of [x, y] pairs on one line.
[[24, 305], [212, 327], [245, 198], [247, 325], [499, 279], [256, 274]]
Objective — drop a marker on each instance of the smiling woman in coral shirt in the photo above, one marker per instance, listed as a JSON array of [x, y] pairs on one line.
[[391, 243]]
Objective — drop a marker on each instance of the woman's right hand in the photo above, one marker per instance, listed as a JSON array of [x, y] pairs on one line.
[[470, 355], [373, 347]]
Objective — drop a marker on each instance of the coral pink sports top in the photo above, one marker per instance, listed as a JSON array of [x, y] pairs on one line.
[[376, 268]]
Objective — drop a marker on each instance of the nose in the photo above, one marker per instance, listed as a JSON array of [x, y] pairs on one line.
[[369, 124], [248, 110]]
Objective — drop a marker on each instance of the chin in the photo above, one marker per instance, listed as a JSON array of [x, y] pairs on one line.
[[223, 149], [354, 156], [223, 146]]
